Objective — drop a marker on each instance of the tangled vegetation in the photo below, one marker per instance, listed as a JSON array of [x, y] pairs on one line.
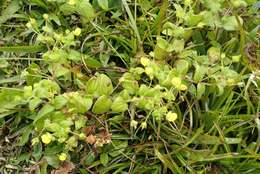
[[129, 86]]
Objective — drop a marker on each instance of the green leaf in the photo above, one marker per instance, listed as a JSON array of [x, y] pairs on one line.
[[81, 122], [25, 135], [39, 3], [37, 151], [90, 158], [214, 6], [230, 23], [9, 100], [10, 79], [192, 19], [200, 71], [179, 11], [129, 83], [91, 62], [104, 159], [172, 30], [201, 87], [162, 43], [102, 105], [238, 3], [182, 67], [55, 18], [158, 113], [23, 49], [59, 102], [67, 9], [233, 140], [52, 160], [45, 110], [160, 51], [74, 55], [119, 105], [99, 85], [103, 4], [119, 147], [79, 103], [176, 45], [214, 54], [9, 12], [58, 70], [170, 164], [85, 9], [34, 103]]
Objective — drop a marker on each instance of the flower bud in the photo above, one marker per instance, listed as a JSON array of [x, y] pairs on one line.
[[45, 16], [143, 125], [134, 124], [77, 32], [144, 61], [171, 116], [176, 81], [72, 2], [183, 87], [62, 156]]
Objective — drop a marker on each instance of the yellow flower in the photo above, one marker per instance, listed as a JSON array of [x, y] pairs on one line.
[[144, 61], [67, 31], [82, 136], [171, 116], [149, 71], [45, 16], [143, 125], [46, 138], [201, 24], [187, 2], [183, 87], [231, 81], [33, 21], [29, 25], [72, 2], [77, 31], [176, 81], [62, 156]]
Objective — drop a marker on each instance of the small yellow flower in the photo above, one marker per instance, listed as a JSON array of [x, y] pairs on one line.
[[67, 31], [82, 136], [176, 81], [223, 55], [143, 125], [29, 25], [45, 16], [62, 156], [46, 138], [183, 87], [144, 61], [72, 2], [61, 140], [149, 71], [187, 2], [171, 116], [33, 21], [201, 24], [77, 31], [231, 81], [134, 124]]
